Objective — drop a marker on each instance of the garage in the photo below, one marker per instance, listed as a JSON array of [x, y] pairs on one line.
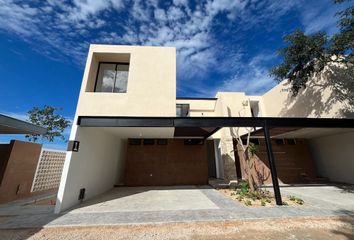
[[166, 162]]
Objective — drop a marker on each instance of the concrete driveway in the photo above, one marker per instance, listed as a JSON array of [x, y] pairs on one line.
[[134, 199], [340, 197], [150, 205]]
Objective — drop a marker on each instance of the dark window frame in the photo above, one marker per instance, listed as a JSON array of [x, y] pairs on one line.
[[279, 141], [193, 141], [135, 141], [116, 63], [291, 141], [148, 141], [162, 141]]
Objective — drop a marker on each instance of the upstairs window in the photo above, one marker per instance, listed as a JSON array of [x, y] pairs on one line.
[[112, 77], [255, 109], [182, 110]]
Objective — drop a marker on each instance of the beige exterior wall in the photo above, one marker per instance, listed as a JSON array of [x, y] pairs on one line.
[[97, 166], [334, 156], [151, 89], [317, 100], [199, 107]]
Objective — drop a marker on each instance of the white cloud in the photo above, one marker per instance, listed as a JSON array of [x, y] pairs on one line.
[[321, 17], [253, 78], [61, 30], [160, 14], [13, 18]]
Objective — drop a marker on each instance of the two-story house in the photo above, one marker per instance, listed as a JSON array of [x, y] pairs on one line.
[[130, 129]]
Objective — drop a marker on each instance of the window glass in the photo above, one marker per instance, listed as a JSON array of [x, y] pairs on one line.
[[179, 110], [106, 76], [291, 141], [112, 77], [121, 78], [162, 141], [279, 141], [193, 141], [182, 110], [134, 141], [149, 141]]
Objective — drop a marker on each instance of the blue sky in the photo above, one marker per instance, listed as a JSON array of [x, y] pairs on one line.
[[225, 45]]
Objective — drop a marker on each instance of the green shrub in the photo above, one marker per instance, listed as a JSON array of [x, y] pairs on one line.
[[244, 187], [296, 200], [248, 203], [299, 201], [252, 148]]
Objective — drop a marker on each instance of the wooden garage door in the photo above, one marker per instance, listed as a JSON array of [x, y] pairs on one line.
[[293, 161], [161, 165]]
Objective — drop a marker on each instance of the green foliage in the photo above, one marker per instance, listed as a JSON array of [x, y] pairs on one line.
[[252, 148], [343, 42], [306, 55], [302, 56], [244, 187], [48, 118], [245, 195], [296, 200]]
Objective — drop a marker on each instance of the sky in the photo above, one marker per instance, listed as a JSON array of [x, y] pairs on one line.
[[222, 45]]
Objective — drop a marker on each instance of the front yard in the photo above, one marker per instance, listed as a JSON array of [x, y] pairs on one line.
[[259, 197]]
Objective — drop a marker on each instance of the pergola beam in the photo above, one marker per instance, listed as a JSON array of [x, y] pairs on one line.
[[108, 121]]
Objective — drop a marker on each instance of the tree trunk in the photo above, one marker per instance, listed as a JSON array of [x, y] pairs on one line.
[[249, 170]]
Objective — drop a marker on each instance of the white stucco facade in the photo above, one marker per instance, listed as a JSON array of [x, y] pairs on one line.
[[151, 92]]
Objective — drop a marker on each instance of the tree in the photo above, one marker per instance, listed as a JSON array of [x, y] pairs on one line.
[[306, 56], [49, 119], [343, 42], [248, 150], [303, 56]]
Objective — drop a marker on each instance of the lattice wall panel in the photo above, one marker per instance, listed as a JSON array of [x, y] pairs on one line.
[[49, 169]]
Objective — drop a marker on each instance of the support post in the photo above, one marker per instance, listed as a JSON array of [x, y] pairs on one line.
[[272, 166]]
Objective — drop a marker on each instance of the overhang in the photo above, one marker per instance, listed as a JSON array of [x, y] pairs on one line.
[[307, 133], [204, 127], [9, 125]]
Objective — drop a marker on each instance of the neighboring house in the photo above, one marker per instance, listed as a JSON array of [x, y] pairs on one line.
[[130, 129], [25, 168]]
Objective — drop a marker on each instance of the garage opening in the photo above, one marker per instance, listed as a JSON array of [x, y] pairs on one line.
[[166, 162]]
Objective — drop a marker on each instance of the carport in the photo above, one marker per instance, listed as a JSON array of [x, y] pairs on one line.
[[308, 155], [9, 125], [203, 127]]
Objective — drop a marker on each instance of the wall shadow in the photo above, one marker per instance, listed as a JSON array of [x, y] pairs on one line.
[[314, 101]]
